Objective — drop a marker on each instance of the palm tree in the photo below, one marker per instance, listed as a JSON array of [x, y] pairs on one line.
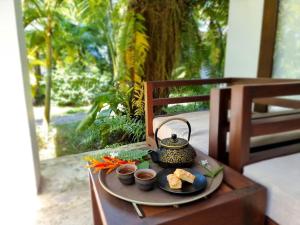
[[43, 14], [35, 42]]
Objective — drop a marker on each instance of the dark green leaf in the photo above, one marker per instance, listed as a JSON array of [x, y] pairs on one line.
[[144, 165]]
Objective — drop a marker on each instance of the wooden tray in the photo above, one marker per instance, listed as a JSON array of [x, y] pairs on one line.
[[158, 197]]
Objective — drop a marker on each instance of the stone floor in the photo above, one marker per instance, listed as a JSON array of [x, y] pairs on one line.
[[65, 196]]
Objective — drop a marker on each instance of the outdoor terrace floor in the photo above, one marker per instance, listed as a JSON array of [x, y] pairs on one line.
[[65, 195]]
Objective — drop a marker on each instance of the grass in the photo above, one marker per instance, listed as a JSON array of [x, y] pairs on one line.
[[76, 110]]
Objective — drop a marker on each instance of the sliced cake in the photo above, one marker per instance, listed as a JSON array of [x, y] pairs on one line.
[[184, 175], [174, 181]]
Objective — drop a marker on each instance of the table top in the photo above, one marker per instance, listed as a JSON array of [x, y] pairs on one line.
[[234, 188], [158, 197]]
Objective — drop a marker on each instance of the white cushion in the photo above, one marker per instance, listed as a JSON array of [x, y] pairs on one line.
[[199, 123], [273, 138], [281, 177]]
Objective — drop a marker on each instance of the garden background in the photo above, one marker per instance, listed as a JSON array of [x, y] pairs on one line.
[[88, 60]]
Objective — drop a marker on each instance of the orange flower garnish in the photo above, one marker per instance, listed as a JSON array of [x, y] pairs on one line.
[[108, 163]]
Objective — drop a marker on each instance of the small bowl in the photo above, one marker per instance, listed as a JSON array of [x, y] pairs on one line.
[[125, 173], [145, 179]]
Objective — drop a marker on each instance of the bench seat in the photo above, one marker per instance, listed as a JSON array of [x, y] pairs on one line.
[[200, 131], [281, 177]]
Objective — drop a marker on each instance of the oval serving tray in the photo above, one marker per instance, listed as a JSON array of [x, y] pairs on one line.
[[157, 197]]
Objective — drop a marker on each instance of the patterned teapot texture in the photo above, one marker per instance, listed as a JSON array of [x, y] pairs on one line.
[[173, 151]]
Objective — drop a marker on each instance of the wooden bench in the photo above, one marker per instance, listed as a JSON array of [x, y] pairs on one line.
[[219, 105], [277, 167]]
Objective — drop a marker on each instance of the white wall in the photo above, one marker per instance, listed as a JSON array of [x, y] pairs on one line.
[[19, 164], [243, 40]]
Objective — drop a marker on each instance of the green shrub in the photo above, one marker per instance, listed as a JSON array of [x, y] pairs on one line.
[[188, 91], [115, 130], [77, 86], [105, 132], [67, 141]]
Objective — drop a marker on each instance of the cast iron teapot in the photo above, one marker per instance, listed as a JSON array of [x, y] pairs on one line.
[[173, 151]]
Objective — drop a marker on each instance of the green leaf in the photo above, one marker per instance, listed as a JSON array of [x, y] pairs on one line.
[[89, 119], [213, 173], [144, 165], [217, 171]]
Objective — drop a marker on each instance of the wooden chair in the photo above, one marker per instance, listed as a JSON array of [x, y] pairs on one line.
[[262, 166], [220, 104], [243, 126]]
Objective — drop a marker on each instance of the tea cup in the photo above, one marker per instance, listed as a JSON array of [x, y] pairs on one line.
[[125, 173], [145, 179]]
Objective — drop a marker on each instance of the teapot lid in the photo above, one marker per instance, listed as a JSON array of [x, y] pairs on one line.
[[174, 142]]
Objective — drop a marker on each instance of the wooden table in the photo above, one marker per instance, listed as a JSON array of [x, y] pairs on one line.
[[238, 201]]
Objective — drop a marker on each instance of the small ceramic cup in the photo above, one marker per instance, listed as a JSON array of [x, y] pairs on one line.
[[145, 179], [125, 173]]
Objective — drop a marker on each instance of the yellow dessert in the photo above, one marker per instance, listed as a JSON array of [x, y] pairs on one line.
[[174, 181], [184, 175]]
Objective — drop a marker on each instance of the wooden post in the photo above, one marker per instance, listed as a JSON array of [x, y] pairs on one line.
[[218, 123], [149, 110], [240, 127], [268, 39], [267, 45]]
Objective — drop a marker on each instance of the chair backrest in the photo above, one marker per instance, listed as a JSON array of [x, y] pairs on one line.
[[243, 127]]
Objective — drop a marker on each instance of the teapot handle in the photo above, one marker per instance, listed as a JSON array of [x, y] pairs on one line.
[[168, 120]]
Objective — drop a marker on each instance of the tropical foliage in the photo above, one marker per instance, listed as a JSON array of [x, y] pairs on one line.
[[73, 87], [99, 52], [203, 40], [115, 129]]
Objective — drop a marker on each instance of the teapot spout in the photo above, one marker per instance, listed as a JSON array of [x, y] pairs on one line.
[[154, 156]]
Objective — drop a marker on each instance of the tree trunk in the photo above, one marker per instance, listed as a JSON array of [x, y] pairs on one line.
[[48, 68], [38, 92], [162, 21]]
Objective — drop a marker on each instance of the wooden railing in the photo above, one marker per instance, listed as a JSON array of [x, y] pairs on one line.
[[151, 101]]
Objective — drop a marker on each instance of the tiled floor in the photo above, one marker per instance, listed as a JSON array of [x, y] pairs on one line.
[[65, 196]]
